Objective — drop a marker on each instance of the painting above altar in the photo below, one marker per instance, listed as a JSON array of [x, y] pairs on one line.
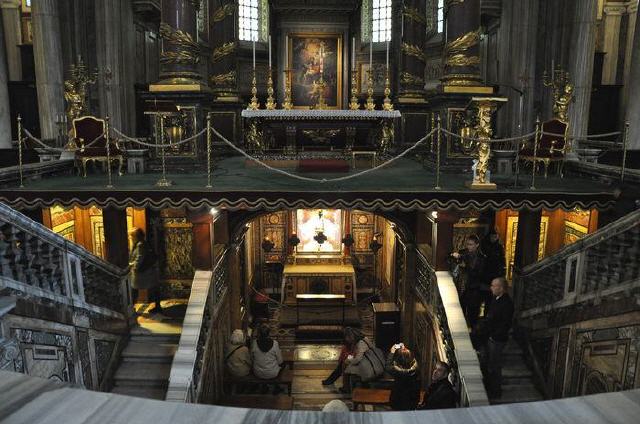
[[309, 54], [311, 222]]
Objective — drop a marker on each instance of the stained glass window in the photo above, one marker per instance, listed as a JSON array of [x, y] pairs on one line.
[[381, 20]]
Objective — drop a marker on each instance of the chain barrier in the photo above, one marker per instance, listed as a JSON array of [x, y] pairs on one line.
[[493, 140], [138, 141], [40, 142]]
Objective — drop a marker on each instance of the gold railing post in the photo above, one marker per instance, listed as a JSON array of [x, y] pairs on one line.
[[209, 150], [163, 182], [106, 136], [625, 142], [536, 140], [439, 139], [20, 150]]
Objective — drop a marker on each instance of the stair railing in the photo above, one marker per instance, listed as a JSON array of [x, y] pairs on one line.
[[35, 260]]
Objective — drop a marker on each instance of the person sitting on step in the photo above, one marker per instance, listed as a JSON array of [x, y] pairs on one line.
[[403, 367], [237, 356], [352, 352], [266, 354]]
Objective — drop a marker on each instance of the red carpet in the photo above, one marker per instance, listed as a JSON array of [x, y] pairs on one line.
[[323, 165]]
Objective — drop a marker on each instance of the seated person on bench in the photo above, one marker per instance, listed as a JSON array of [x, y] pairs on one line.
[[353, 349], [237, 356], [440, 393], [266, 354], [403, 367]]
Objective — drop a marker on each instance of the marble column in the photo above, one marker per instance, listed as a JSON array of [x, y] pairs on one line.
[[47, 52], [633, 90], [582, 51], [12, 37], [180, 51], [461, 52], [412, 56], [5, 113], [612, 18], [224, 78], [115, 53]]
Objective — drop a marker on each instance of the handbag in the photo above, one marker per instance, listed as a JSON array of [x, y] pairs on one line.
[[373, 362]]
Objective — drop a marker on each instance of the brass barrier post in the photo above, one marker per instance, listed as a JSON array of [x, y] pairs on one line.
[[106, 136], [625, 140], [20, 150], [536, 140], [439, 140], [209, 150], [163, 182]]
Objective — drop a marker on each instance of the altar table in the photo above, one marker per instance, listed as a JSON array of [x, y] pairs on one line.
[[318, 279]]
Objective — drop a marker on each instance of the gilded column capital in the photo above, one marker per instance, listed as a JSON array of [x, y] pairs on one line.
[[615, 9]]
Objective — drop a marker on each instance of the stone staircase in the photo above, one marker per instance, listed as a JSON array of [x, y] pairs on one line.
[[517, 378], [146, 363]]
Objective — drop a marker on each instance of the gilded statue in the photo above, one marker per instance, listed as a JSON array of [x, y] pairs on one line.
[[254, 137], [75, 89], [386, 137], [561, 106]]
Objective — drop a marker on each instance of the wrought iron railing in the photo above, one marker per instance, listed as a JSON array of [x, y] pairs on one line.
[[599, 264], [189, 377], [439, 295], [36, 260]]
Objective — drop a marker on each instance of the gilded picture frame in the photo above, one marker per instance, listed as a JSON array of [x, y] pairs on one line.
[[304, 61]]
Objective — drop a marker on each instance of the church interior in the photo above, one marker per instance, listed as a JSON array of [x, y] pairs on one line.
[[316, 210]]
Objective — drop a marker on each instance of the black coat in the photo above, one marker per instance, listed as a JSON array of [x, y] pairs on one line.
[[474, 270], [440, 395], [499, 318], [405, 392], [495, 261]]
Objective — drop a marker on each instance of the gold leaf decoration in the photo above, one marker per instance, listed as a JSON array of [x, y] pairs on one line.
[[410, 79], [462, 60], [415, 15], [187, 51], [462, 43], [415, 51], [224, 79], [222, 12], [222, 51], [181, 57]]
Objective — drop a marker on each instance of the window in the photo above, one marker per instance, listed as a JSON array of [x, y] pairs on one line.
[[440, 15], [381, 20], [252, 20]]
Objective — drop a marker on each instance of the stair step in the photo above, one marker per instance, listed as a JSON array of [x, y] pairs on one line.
[[516, 370], [518, 393], [155, 338], [149, 352], [142, 392], [142, 373]]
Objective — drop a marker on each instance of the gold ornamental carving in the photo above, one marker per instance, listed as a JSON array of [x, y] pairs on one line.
[[462, 43], [415, 15], [386, 136], [462, 60], [187, 50], [223, 79], [222, 51], [222, 12], [407, 78], [75, 89], [254, 137], [415, 51], [562, 92]]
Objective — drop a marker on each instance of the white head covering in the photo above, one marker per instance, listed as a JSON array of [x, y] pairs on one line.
[[237, 337], [335, 405]]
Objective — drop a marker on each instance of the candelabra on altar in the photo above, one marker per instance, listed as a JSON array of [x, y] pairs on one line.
[[271, 104], [370, 105], [287, 104], [354, 104]]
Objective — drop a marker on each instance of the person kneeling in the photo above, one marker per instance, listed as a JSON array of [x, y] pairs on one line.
[[403, 367]]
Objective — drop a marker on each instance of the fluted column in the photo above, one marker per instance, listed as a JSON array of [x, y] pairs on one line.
[[412, 45], [47, 53], [581, 67], [5, 115], [12, 37], [633, 107], [612, 18], [180, 50], [461, 52]]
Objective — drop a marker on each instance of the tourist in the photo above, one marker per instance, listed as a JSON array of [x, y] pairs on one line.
[[475, 290], [144, 271], [261, 305], [498, 325], [266, 354], [237, 356], [335, 405], [440, 393], [403, 367], [353, 350], [494, 252]]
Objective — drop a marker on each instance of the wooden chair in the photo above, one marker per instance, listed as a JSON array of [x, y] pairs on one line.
[[551, 148], [85, 130]]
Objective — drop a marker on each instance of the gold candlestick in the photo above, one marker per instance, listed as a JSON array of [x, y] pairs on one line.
[[287, 104], [254, 94], [370, 105], [354, 105], [271, 104], [387, 92], [320, 85]]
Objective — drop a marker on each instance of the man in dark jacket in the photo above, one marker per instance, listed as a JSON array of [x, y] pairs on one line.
[[475, 290], [498, 324], [494, 252], [440, 393]]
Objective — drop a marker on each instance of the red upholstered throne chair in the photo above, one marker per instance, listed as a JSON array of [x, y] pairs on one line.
[[86, 129], [551, 148]]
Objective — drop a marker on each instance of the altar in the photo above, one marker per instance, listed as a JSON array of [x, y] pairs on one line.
[[324, 278]]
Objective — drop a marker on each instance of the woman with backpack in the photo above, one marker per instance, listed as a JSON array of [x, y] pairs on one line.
[[144, 270]]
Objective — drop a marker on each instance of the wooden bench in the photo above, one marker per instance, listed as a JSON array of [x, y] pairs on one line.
[[284, 378], [281, 402], [361, 397]]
